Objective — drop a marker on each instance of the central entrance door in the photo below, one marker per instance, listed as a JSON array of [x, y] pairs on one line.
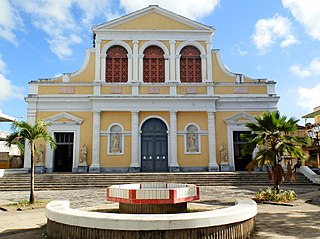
[[63, 154], [154, 146]]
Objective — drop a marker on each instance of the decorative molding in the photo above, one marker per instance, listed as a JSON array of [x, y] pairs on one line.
[[54, 119]]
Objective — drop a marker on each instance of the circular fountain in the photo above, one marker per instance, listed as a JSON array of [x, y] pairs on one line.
[[151, 210], [153, 198]]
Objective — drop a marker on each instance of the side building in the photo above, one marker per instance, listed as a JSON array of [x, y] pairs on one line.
[[151, 96]]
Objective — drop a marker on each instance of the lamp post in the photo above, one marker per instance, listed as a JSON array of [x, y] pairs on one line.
[[313, 133]]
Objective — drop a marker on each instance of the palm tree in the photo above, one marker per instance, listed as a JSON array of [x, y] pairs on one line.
[[273, 135], [31, 133]]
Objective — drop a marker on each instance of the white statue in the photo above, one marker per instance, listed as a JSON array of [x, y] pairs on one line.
[[191, 142], [83, 154], [223, 154], [39, 156], [115, 143]]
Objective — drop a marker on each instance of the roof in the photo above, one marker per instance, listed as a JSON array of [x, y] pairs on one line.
[[312, 115], [6, 118], [149, 9]]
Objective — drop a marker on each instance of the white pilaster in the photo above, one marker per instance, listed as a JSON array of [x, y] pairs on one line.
[[97, 68], [209, 61], [31, 118], [213, 166], [166, 67], [178, 67], [140, 67], [135, 165], [130, 57], [204, 67], [172, 60], [95, 165], [173, 165], [135, 60]]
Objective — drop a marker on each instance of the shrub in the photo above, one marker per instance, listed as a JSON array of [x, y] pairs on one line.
[[270, 194]]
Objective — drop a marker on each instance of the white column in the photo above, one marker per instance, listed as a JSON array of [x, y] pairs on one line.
[[31, 118], [135, 162], [140, 67], [135, 60], [178, 67], [204, 67], [95, 165], [209, 61], [97, 63], [213, 166], [172, 60], [130, 57], [173, 165], [166, 67]]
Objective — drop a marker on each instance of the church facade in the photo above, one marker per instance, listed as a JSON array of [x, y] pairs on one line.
[[151, 96]]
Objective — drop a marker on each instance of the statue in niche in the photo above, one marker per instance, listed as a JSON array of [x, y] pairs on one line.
[[83, 154], [39, 156], [115, 143], [191, 142], [223, 154]]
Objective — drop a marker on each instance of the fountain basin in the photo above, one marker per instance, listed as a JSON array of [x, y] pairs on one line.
[[234, 222]]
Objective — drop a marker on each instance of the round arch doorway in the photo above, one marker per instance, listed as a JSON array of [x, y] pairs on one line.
[[154, 146]]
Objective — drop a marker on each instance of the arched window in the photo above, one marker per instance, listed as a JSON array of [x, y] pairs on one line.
[[190, 65], [116, 64], [153, 65], [192, 139], [115, 140]]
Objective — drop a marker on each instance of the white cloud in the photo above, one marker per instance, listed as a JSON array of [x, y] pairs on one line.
[[64, 20], [237, 49], [9, 21], [307, 13], [268, 31], [7, 89], [308, 98], [312, 69], [186, 8]]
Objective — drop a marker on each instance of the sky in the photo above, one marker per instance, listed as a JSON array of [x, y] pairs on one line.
[[277, 40]]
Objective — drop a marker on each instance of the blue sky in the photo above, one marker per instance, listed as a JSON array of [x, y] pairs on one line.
[[277, 40]]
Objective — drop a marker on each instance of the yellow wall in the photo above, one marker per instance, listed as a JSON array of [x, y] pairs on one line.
[[88, 74], [183, 90], [248, 89], [122, 160], [185, 118], [55, 90], [163, 90], [106, 90], [109, 118], [217, 74], [193, 160], [144, 115], [153, 21]]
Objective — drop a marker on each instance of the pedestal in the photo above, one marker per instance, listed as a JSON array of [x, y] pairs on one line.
[[213, 168], [225, 168], [94, 169], [174, 169], [83, 169], [40, 169], [134, 170]]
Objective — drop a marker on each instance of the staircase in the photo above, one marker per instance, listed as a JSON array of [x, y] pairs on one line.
[[60, 181]]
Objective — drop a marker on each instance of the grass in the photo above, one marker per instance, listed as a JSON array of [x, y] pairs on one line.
[[271, 195], [24, 204]]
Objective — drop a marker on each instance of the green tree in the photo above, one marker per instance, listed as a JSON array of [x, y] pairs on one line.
[[273, 135], [31, 133]]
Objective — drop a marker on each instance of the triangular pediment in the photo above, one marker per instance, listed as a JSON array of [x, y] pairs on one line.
[[64, 118], [241, 118], [152, 18]]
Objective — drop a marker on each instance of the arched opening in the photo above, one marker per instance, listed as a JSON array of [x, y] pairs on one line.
[[190, 65], [117, 64], [153, 65], [154, 146]]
